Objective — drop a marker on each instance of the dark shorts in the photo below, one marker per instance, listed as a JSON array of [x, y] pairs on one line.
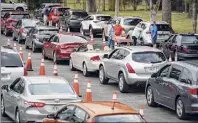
[[154, 41]]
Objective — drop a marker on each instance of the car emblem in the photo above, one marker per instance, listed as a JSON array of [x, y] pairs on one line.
[[56, 100]]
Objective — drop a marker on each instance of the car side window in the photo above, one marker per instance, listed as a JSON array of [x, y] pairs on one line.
[[170, 38], [122, 54], [186, 77], [175, 72], [143, 26], [56, 39], [19, 24], [165, 71], [82, 48], [79, 115], [51, 38], [114, 54], [66, 112], [174, 39], [16, 87], [14, 83], [21, 87]]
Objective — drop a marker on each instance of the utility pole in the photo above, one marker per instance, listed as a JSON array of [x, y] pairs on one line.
[[117, 4], [194, 16]]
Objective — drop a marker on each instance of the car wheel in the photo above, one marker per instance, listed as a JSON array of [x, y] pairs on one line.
[[43, 53], [150, 97], [13, 37], [55, 58], [34, 49], [17, 116], [2, 107], [123, 86], [180, 110], [19, 9], [71, 65], [102, 77], [85, 72]]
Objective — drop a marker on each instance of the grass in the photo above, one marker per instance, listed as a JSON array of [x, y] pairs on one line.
[[180, 22]]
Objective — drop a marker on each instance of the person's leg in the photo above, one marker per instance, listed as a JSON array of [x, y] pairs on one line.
[[113, 44], [134, 40]]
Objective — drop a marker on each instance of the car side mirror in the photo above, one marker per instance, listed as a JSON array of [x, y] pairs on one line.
[[52, 116], [154, 75], [79, 95], [106, 56], [5, 87]]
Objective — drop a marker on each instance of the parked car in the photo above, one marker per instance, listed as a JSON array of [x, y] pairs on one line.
[[175, 86], [143, 32], [10, 19], [22, 27], [128, 23], [55, 14], [37, 35], [13, 6], [39, 12], [3, 12], [72, 19], [30, 99], [98, 111], [60, 46], [12, 65], [90, 57], [130, 65], [181, 45], [94, 23]]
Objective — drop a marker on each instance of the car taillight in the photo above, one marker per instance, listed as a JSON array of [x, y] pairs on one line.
[[34, 104], [95, 58], [22, 30], [92, 121], [129, 68], [193, 91]]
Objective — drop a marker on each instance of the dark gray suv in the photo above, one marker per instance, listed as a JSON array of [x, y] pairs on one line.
[[175, 86]]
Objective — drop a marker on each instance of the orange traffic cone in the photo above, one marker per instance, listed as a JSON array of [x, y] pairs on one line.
[[8, 43], [88, 97], [114, 99], [170, 58], [15, 46], [29, 63], [25, 72], [42, 67], [55, 73], [142, 110], [21, 52], [76, 84]]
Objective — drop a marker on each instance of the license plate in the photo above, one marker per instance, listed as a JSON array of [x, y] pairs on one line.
[[4, 75], [151, 69], [55, 108]]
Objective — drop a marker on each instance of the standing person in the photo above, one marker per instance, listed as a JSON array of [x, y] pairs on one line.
[[118, 28], [45, 16], [111, 35], [154, 34]]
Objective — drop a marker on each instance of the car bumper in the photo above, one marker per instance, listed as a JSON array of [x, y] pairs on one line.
[[74, 25], [32, 116], [63, 56], [93, 66], [137, 79], [97, 30], [38, 44]]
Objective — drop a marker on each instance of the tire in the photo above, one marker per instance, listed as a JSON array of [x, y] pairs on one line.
[[71, 65], [2, 107], [102, 77], [17, 116], [122, 85], [180, 110], [19, 9], [43, 53], [85, 72], [150, 97], [34, 49], [26, 46]]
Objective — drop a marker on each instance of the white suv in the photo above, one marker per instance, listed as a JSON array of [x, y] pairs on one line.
[[142, 32], [12, 65], [94, 24]]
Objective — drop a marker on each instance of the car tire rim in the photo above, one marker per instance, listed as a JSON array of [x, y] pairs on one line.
[[2, 106], [121, 83], [149, 96], [179, 108], [84, 69], [17, 117], [101, 74], [70, 64], [54, 58]]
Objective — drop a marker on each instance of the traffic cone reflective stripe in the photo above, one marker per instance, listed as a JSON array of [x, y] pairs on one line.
[[114, 99], [142, 111], [42, 68], [88, 97], [29, 63], [8, 43], [76, 75], [55, 73], [76, 84], [21, 53], [170, 58]]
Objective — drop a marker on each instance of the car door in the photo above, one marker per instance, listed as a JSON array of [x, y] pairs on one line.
[[87, 22], [80, 115], [158, 83], [28, 37], [47, 45], [170, 85], [53, 45]]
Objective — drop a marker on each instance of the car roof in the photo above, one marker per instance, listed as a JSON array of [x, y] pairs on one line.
[[190, 64], [100, 15], [157, 22], [8, 49], [45, 27], [105, 107], [18, 13], [127, 17], [141, 48], [44, 79], [60, 7], [26, 19]]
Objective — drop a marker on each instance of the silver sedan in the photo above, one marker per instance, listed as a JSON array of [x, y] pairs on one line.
[[30, 99]]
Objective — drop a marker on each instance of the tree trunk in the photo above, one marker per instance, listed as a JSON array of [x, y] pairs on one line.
[[103, 6], [166, 11], [117, 8], [186, 6], [194, 16], [111, 4], [190, 10], [91, 6], [134, 5]]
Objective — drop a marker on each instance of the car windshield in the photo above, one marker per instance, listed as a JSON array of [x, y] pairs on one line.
[[189, 39], [62, 9], [20, 16], [164, 27], [119, 118], [80, 14], [131, 21], [103, 18], [30, 23], [72, 39], [50, 89], [10, 60], [148, 57], [48, 31]]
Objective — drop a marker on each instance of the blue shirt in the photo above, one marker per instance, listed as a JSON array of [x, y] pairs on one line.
[[154, 32]]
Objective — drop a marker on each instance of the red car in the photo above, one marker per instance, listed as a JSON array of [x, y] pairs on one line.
[[60, 46], [10, 19], [55, 14]]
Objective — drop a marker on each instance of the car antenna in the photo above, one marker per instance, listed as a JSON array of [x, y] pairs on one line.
[[114, 99]]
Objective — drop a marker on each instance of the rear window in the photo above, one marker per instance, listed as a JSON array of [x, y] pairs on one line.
[[189, 39], [164, 27], [30, 23], [103, 18], [148, 57], [48, 31], [10, 60], [72, 39], [50, 89], [19, 16], [80, 14], [62, 9], [119, 118], [131, 21]]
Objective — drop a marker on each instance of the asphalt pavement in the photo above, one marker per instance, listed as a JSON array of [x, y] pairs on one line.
[[135, 98]]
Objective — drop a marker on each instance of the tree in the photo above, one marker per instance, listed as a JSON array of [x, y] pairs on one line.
[[194, 13], [166, 11], [135, 4], [91, 5], [111, 4]]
